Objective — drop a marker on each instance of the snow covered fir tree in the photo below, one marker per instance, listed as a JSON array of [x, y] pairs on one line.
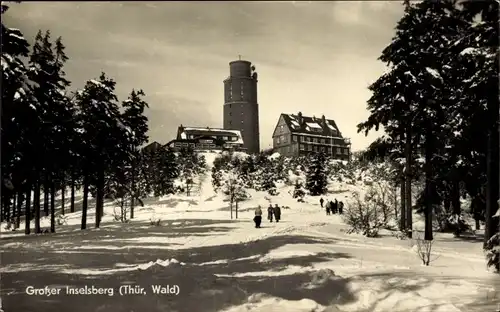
[[87, 191]]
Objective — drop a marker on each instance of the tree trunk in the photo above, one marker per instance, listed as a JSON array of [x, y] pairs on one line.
[[52, 207], [402, 224], [447, 203], [455, 197], [19, 208], [27, 221], [492, 171], [63, 197], [72, 204], [36, 205], [132, 190], [408, 178], [99, 202], [46, 190], [236, 209], [85, 201], [429, 194]]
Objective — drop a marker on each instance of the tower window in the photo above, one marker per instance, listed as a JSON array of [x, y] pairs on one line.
[[230, 114], [241, 121]]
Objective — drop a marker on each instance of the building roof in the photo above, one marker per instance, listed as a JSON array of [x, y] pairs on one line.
[[152, 146], [312, 125], [183, 133]]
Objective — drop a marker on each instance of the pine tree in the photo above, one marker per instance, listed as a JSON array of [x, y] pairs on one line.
[[316, 177], [167, 172], [19, 121], [298, 191], [102, 131], [481, 52], [55, 110], [137, 128]]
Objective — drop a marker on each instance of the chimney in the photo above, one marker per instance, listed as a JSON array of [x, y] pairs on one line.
[[301, 121], [323, 121]]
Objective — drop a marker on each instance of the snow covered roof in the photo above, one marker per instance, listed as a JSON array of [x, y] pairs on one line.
[[311, 125], [184, 132]]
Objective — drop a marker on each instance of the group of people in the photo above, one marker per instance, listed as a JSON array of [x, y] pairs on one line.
[[332, 206], [272, 213]]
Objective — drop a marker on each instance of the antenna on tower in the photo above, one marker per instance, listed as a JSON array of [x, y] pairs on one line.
[[239, 57]]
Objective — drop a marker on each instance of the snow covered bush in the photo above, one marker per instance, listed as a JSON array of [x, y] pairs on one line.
[[492, 248], [385, 202], [121, 214], [299, 192], [62, 219], [363, 216], [154, 220]]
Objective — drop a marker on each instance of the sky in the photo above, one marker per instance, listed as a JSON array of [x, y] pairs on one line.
[[313, 57]]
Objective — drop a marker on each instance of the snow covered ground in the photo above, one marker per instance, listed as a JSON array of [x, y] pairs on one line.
[[306, 262]]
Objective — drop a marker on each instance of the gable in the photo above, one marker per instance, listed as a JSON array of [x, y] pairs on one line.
[[281, 127]]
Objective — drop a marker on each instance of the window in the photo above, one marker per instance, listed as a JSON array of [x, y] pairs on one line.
[[278, 140], [322, 149], [315, 140], [339, 150], [329, 150], [225, 138], [288, 149], [230, 122], [309, 148], [322, 141], [315, 148], [235, 138], [241, 113], [241, 90], [294, 138], [306, 139], [230, 93], [230, 114], [302, 147], [346, 151], [282, 128], [283, 139], [241, 121]]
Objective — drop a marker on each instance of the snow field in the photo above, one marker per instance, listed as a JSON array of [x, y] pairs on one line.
[[304, 263]]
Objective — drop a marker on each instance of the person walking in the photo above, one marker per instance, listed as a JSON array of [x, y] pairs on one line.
[[321, 201], [334, 206], [328, 207], [258, 217], [341, 207], [270, 211], [277, 213]]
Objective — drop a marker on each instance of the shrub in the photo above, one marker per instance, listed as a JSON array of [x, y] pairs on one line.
[[363, 216]]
